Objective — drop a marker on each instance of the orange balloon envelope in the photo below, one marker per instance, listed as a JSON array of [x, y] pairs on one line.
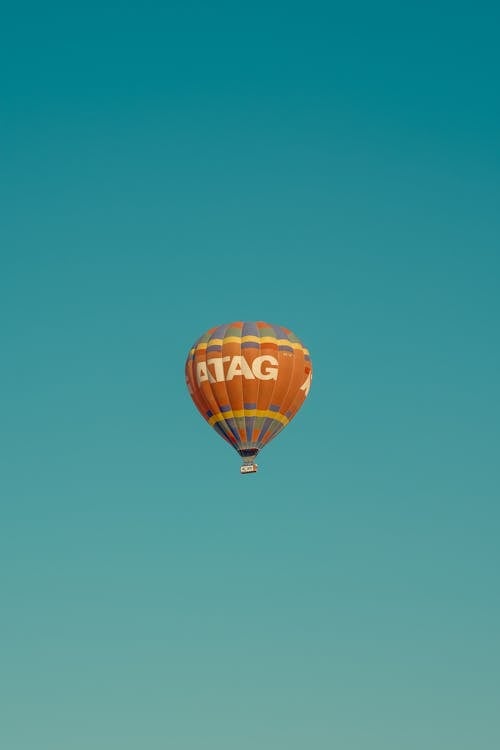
[[248, 380]]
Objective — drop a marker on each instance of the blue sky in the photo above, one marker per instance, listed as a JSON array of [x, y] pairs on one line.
[[333, 170]]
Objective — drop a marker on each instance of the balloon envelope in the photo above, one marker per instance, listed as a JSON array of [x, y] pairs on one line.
[[248, 380]]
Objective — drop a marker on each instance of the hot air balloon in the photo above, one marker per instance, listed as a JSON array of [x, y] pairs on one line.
[[248, 380]]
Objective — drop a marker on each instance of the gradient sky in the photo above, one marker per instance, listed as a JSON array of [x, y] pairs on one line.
[[165, 168]]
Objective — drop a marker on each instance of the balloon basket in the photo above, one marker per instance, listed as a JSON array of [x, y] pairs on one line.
[[248, 469]]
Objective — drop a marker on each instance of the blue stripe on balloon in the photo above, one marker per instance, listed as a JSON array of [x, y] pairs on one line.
[[250, 329], [219, 332]]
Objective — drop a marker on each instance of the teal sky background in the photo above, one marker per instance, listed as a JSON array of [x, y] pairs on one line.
[[330, 168]]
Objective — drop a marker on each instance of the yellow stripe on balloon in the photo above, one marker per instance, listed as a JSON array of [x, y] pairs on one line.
[[221, 416], [254, 339]]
